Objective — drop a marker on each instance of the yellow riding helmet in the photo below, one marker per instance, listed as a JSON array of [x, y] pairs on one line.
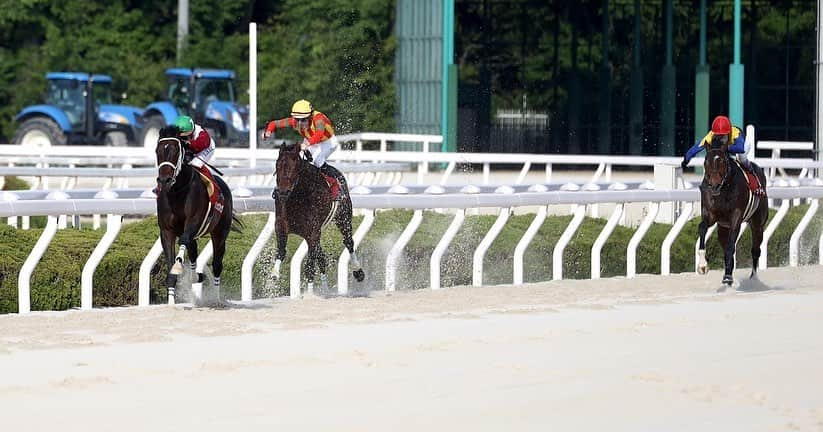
[[301, 109]]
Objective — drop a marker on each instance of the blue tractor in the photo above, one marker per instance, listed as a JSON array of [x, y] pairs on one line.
[[78, 110], [209, 97]]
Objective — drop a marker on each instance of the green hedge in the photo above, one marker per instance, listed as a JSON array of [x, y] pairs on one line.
[[56, 280]]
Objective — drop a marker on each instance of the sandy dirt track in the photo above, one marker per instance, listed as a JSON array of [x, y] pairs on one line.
[[651, 354]]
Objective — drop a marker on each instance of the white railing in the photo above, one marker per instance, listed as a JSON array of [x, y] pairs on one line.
[[602, 164], [57, 206]]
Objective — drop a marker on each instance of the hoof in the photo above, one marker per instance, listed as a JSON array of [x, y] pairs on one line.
[[702, 270], [177, 268], [728, 280], [359, 275]]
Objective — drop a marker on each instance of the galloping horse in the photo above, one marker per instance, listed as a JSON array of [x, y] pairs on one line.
[[304, 204], [726, 199], [187, 210]]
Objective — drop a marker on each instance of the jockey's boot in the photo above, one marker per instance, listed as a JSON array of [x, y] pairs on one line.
[[751, 177]]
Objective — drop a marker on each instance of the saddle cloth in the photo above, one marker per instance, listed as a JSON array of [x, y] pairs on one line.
[[334, 186], [216, 201]]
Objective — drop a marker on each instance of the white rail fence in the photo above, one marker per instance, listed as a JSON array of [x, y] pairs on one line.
[[353, 144], [58, 206]]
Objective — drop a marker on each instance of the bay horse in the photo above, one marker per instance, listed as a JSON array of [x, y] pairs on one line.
[[304, 204], [185, 210], [726, 199]]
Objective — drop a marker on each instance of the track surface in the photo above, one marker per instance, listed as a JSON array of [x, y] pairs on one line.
[[654, 353]]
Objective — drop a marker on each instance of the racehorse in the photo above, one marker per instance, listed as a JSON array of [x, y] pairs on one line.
[[186, 210], [726, 200], [304, 204]]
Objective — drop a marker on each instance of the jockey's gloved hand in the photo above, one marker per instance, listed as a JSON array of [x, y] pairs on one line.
[[684, 164]]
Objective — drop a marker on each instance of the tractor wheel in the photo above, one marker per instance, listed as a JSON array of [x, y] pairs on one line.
[[151, 131], [39, 132]]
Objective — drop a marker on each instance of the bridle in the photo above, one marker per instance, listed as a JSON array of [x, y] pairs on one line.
[[176, 166], [300, 169], [715, 158]]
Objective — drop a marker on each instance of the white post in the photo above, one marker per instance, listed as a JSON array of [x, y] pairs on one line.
[[617, 213], [794, 240], [113, 224], [202, 259], [442, 245], [295, 268], [480, 252], [666, 248], [565, 238], [665, 178], [631, 252], [144, 276], [247, 269], [528, 236], [397, 249], [24, 277], [253, 93], [345, 257]]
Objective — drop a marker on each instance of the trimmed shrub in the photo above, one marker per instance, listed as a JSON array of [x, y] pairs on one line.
[[56, 279]]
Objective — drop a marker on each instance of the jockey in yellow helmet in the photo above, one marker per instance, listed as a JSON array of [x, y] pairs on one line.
[[318, 138]]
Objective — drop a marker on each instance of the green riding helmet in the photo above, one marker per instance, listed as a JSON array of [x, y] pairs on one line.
[[185, 124]]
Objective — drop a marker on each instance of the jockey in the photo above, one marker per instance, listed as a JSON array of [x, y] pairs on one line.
[[723, 129], [318, 138], [197, 140]]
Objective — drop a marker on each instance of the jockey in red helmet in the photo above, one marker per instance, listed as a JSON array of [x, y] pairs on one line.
[[723, 129]]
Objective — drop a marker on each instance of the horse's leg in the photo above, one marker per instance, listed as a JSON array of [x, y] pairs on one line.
[[167, 239], [310, 262], [343, 222], [218, 241], [757, 223], [702, 266], [727, 237], [282, 235], [193, 254], [322, 262]]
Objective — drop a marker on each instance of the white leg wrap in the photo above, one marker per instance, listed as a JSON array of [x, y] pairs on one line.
[[277, 264], [703, 266]]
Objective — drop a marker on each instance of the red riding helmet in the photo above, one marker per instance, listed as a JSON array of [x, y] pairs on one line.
[[721, 126]]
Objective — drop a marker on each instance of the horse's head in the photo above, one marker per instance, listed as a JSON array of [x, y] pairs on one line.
[[716, 165], [287, 169], [169, 153]]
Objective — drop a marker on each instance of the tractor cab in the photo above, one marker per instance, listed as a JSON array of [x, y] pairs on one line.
[[78, 109], [209, 97]]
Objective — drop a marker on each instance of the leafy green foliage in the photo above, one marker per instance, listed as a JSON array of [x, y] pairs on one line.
[[338, 54]]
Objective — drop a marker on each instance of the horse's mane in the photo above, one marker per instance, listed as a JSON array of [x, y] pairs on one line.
[[716, 143], [170, 131]]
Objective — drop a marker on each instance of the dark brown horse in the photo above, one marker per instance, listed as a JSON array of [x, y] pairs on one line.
[[304, 204], [726, 200], [185, 212]]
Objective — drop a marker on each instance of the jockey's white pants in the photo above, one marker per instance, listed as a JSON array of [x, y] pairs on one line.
[[204, 156], [322, 150]]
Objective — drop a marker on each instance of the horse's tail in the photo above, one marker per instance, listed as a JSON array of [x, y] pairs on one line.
[[236, 223]]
